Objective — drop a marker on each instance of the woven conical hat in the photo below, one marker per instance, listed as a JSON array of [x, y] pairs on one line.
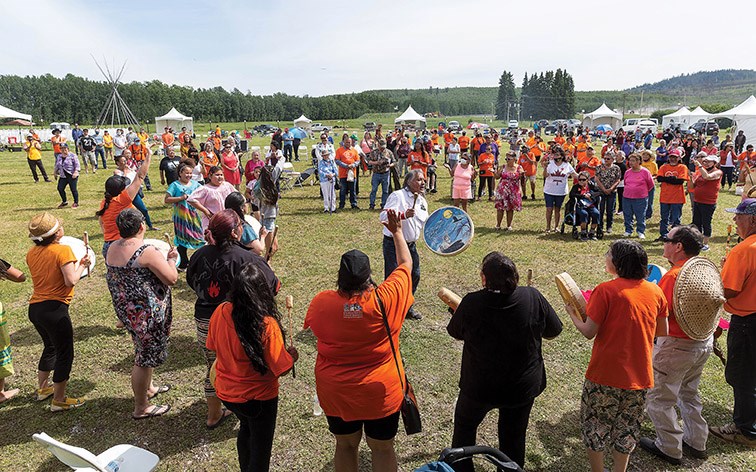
[[698, 298], [571, 293]]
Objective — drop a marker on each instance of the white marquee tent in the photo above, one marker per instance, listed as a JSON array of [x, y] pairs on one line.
[[697, 115], [8, 114], [175, 120], [603, 115], [680, 117], [744, 116], [303, 122], [410, 116]]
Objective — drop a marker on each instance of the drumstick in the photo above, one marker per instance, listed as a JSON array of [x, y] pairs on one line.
[[272, 242], [414, 202], [530, 277], [729, 238], [289, 305], [86, 246]]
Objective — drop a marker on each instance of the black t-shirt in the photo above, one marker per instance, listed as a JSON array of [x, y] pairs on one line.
[[170, 167], [501, 359], [87, 143], [212, 271]]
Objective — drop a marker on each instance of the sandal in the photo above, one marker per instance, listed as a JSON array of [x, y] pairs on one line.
[[156, 410], [162, 389], [224, 414]]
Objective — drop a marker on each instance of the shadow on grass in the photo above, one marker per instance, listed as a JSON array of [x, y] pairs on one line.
[[30, 337], [183, 353], [363, 460], [559, 438]]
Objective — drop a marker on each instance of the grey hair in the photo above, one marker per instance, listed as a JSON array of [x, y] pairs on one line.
[[411, 175]]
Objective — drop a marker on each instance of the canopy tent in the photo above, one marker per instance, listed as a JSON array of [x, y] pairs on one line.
[[8, 114], [679, 118], [173, 119], [697, 115], [744, 116], [603, 115], [303, 122], [410, 116]]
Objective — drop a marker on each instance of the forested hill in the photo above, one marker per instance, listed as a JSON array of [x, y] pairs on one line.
[[707, 80]]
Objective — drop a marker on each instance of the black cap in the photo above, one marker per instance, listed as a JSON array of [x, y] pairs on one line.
[[354, 269]]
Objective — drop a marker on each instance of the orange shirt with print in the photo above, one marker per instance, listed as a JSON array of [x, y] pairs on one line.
[[529, 167], [626, 311], [738, 274], [347, 156], [464, 142], [236, 380], [45, 266], [671, 193], [448, 138], [747, 159], [419, 160], [355, 374], [594, 162], [168, 139], [117, 204], [486, 164]]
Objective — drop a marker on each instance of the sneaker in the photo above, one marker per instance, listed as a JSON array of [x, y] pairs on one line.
[[66, 404], [592, 236], [413, 315], [75, 205], [705, 247], [608, 231], [44, 393], [63, 205], [641, 236], [153, 228], [509, 228], [626, 234], [647, 444], [731, 433], [355, 207]]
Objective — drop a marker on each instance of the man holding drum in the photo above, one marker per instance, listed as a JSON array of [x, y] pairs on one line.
[[412, 208], [678, 363]]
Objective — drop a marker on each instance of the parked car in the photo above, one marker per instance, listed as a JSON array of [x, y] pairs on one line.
[[454, 126], [319, 127], [645, 124], [705, 127], [265, 129], [370, 126], [513, 124], [553, 127]]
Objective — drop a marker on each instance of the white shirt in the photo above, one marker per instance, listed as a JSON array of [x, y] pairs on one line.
[[557, 179], [401, 201], [453, 152], [323, 149]]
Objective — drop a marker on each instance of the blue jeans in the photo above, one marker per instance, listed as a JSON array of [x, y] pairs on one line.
[[634, 207], [650, 204], [383, 181], [101, 152], [389, 260], [70, 182], [670, 217], [139, 204], [347, 186], [588, 215], [606, 210], [702, 215]]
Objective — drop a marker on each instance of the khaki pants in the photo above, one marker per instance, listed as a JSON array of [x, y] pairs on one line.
[[678, 364]]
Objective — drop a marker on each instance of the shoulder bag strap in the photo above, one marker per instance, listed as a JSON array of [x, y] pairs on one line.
[[391, 340]]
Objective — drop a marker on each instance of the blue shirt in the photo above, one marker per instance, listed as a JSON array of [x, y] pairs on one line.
[[98, 140], [76, 134], [326, 167], [288, 137], [248, 234]]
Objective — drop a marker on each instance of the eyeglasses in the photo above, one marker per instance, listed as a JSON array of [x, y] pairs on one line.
[[582, 180], [666, 239]]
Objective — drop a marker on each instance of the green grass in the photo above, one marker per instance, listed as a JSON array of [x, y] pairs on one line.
[[311, 244]]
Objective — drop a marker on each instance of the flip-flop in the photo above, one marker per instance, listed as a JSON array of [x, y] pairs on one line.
[[157, 410], [225, 414], [162, 389], [8, 395]]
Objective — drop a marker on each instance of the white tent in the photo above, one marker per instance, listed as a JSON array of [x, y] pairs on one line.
[[8, 114], [175, 120], [603, 115], [303, 122], [744, 116], [681, 117], [697, 115], [410, 116]]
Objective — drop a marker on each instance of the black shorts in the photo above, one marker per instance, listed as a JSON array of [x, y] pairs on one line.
[[382, 429]]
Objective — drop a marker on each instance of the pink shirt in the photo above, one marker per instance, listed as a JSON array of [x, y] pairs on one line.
[[638, 183], [462, 176]]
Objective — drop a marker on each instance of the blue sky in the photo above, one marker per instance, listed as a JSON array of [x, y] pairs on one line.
[[317, 48]]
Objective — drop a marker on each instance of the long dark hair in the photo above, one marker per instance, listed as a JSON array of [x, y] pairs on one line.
[[113, 187], [235, 201], [252, 301], [268, 186]]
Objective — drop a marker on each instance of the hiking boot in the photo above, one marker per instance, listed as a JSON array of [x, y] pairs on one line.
[[731, 433], [66, 404], [44, 393]]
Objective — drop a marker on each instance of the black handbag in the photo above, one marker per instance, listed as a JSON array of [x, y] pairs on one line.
[[409, 410]]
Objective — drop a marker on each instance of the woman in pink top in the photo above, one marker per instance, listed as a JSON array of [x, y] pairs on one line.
[[638, 183], [462, 176]]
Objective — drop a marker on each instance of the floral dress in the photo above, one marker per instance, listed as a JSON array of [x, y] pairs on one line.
[[143, 303], [508, 196], [187, 224]]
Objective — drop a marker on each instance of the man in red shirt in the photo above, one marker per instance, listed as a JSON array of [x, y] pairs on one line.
[[678, 364], [347, 160]]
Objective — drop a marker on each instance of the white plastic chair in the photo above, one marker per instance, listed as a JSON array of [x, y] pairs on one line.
[[126, 457]]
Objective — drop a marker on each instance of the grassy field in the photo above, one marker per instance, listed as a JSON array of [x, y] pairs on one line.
[[311, 244]]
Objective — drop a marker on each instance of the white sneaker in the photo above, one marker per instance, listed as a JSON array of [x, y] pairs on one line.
[[641, 236], [626, 234]]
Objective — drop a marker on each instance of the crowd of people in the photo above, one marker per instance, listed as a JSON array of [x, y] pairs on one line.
[[359, 371]]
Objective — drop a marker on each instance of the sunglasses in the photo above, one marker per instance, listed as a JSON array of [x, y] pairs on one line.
[[582, 180], [666, 239]]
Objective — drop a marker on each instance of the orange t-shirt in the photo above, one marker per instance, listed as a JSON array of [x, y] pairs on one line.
[[747, 159], [667, 284], [208, 160], [581, 148], [531, 142], [56, 142], [117, 205], [673, 193], [181, 137], [464, 142], [476, 142], [560, 140], [355, 373], [217, 142], [168, 139], [626, 311], [236, 379], [347, 156], [419, 160], [739, 274], [138, 152], [527, 166], [485, 164], [45, 266], [593, 162], [538, 149]]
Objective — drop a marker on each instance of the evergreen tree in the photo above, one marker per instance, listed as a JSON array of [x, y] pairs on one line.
[[506, 98]]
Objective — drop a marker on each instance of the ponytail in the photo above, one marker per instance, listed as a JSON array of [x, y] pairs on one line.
[[105, 205]]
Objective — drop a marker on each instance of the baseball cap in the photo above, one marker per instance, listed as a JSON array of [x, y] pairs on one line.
[[354, 269], [746, 207], [711, 158]]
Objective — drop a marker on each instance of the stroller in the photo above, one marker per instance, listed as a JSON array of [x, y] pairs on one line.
[[451, 455], [571, 218]]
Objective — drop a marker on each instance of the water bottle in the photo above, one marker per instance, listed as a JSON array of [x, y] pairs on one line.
[[113, 466], [316, 410]]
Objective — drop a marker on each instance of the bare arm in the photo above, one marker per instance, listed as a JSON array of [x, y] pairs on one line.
[[662, 326], [169, 199], [14, 275], [73, 270], [164, 269], [587, 328], [394, 225]]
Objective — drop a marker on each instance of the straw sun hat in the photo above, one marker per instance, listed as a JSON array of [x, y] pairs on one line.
[[43, 226], [698, 298]]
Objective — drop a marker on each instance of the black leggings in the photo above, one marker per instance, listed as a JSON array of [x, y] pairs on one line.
[[257, 425], [483, 182], [34, 165], [53, 324], [184, 257]]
